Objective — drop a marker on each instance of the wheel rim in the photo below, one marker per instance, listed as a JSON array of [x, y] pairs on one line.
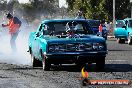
[[129, 39], [43, 64], [32, 58]]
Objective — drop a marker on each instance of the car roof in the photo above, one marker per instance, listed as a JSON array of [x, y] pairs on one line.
[[63, 20], [128, 19], [92, 20], [119, 20]]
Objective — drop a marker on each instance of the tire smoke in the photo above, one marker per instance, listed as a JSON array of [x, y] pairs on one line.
[[21, 57]]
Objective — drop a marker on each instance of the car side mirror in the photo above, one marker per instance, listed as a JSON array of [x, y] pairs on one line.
[[37, 35]]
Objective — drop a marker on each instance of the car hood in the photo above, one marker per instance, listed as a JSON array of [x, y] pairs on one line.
[[85, 38]]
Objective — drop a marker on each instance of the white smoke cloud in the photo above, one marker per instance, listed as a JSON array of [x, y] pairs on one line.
[[21, 57]]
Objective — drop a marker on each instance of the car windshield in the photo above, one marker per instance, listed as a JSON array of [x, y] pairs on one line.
[[120, 24], [59, 28]]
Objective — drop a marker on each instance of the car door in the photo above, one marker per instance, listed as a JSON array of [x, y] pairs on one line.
[[36, 41]]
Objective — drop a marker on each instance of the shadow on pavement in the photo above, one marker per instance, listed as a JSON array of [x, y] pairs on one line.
[[118, 50], [92, 68], [88, 67]]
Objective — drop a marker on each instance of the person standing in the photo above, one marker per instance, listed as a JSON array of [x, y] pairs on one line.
[[100, 29], [14, 25]]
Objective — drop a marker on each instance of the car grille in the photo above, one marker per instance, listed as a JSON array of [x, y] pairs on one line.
[[72, 47]]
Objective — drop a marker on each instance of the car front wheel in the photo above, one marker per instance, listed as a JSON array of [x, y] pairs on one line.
[[100, 64], [119, 40], [46, 64], [35, 62], [129, 39]]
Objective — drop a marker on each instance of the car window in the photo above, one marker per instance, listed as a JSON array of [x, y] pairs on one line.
[[54, 28], [120, 24], [60, 27], [57, 28], [95, 23]]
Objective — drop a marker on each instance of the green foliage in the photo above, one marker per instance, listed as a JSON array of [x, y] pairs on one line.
[[100, 9], [34, 9], [28, 11], [3, 5]]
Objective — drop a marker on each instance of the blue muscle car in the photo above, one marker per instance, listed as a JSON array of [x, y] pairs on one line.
[[66, 41]]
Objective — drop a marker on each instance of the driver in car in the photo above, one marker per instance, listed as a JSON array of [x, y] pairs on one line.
[[71, 29]]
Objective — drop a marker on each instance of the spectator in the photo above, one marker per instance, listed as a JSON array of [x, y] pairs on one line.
[[14, 24], [102, 24], [111, 28]]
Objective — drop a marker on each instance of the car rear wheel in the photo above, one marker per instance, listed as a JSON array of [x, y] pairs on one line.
[[100, 64], [35, 62], [129, 39], [119, 40]]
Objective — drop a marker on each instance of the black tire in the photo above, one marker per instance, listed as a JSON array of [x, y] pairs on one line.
[[121, 41], [129, 39], [100, 64], [80, 65], [35, 62], [46, 64]]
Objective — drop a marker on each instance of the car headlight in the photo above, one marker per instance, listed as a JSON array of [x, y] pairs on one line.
[[57, 48], [71, 47], [88, 46], [51, 48], [80, 47], [62, 47], [98, 46]]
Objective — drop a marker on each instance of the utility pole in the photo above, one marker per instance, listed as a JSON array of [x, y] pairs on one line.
[[114, 13], [131, 7]]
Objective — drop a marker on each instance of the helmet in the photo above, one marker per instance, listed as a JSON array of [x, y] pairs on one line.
[[9, 16]]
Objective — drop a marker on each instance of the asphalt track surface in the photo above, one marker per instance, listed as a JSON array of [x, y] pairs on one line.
[[118, 66]]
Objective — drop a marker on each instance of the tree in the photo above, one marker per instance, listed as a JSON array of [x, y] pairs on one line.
[[11, 5], [44, 7], [3, 5], [101, 9]]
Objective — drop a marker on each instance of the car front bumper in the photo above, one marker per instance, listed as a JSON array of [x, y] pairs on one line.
[[74, 57], [93, 53]]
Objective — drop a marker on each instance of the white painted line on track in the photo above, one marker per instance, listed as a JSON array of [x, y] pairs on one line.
[[117, 60]]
